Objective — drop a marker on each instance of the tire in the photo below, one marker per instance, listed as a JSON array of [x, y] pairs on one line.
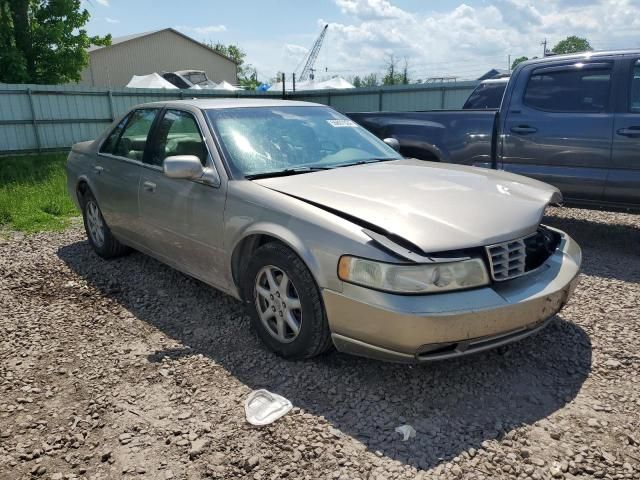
[[267, 302], [100, 237]]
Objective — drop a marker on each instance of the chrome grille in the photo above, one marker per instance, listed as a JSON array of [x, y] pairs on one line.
[[507, 259]]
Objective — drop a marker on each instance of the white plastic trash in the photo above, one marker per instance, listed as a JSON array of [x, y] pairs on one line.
[[263, 407], [407, 432]]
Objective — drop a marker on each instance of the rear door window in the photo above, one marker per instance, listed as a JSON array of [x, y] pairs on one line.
[[109, 144], [635, 89], [133, 140], [569, 90], [486, 95], [178, 134]]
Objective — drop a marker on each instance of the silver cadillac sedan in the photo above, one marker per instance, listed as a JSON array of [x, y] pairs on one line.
[[328, 235]]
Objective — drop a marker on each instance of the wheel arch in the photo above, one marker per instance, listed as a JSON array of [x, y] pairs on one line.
[[259, 235], [84, 185], [423, 151]]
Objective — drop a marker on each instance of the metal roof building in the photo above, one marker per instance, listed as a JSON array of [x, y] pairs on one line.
[[144, 53]]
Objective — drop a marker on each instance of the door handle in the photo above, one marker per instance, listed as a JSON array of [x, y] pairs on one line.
[[98, 169], [523, 129], [149, 186], [629, 132]]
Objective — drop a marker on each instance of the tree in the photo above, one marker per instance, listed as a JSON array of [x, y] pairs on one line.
[[42, 41], [247, 74], [393, 75], [572, 44], [370, 80], [518, 61]]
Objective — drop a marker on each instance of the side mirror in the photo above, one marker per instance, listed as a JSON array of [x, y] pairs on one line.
[[393, 143], [182, 166]]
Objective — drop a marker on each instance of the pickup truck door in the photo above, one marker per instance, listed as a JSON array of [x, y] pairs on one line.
[[623, 183], [558, 127], [182, 219]]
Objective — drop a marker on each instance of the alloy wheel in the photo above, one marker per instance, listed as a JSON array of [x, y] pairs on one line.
[[95, 223], [278, 304]]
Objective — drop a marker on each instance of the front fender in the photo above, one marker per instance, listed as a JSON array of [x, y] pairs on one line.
[[417, 147], [284, 235]]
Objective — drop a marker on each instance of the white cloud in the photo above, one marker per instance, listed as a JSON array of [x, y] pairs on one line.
[[204, 30], [104, 3], [371, 9], [466, 41], [111, 20], [463, 41], [295, 49]]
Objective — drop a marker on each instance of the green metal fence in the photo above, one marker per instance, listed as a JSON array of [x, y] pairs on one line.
[[53, 117]]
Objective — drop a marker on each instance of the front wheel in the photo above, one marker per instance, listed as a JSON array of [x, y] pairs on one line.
[[284, 303]]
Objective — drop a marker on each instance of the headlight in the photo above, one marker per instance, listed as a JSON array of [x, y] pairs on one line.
[[409, 278]]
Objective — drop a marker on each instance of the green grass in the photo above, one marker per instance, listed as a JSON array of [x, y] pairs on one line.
[[33, 193]]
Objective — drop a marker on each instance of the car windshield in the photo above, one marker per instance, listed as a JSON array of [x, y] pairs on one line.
[[196, 77], [263, 140]]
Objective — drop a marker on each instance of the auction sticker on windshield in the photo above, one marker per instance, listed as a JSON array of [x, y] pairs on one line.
[[342, 123]]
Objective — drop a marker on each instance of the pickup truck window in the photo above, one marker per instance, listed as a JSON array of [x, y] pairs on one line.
[[570, 90], [635, 89], [486, 95]]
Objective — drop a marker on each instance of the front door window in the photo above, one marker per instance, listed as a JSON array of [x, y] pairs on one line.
[[178, 134]]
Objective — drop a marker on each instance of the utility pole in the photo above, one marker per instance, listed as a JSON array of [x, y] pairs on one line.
[[544, 47], [509, 62], [284, 91]]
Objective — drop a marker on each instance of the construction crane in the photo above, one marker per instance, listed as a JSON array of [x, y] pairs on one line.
[[307, 71]]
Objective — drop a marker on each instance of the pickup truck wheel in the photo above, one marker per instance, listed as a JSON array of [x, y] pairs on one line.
[[98, 233], [284, 303]]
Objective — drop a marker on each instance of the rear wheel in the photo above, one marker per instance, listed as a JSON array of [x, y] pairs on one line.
[[100, 237], [284, 303]]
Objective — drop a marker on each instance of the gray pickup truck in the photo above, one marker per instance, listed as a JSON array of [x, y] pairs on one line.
[[572, 121]]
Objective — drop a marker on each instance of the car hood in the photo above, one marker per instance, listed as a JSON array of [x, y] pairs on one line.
[[437, 207]]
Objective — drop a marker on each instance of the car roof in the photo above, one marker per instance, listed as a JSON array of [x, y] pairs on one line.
[[496, 80], [219, 103], [182, 72], [584, 55]]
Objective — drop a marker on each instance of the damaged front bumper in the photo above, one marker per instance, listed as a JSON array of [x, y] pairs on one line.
[[405, 328]]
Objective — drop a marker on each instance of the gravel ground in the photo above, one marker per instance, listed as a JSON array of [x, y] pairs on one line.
[[128, 369]]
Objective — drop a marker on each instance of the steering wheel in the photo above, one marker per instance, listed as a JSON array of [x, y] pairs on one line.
[[329, 146]]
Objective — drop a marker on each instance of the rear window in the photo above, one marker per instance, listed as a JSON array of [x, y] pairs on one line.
[[571, 90], [486, 95]]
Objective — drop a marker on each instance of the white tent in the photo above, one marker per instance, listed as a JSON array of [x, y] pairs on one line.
[[337, 83], [300, 86], [224, 85], [152, 80]]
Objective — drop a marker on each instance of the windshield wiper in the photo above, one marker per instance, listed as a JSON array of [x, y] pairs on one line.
[[364, 162], [285, 172]]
